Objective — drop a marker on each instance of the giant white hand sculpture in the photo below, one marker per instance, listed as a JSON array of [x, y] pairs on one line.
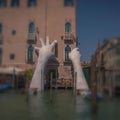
[[81, 83], [45, 53]]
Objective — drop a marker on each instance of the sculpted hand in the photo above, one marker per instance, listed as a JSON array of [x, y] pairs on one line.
[[45, 53], [81, 83]]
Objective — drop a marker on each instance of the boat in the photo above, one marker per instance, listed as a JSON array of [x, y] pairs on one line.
[[5, 86]]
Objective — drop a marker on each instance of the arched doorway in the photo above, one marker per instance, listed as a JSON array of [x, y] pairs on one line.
[[51, 74]]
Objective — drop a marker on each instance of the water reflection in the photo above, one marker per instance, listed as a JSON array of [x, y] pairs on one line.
[[60, 105], [81, 105], [63, 106]]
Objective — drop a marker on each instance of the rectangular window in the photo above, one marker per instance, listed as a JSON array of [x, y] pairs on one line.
[[14, 3], [3, 3], [68, 3], [32, 3], [1, 53], [56, 50], [30, 54], [12, 56], [1, 28], [1, 39], [118, 50]]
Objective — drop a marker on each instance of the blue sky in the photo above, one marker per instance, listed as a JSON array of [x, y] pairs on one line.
[[96, 19]]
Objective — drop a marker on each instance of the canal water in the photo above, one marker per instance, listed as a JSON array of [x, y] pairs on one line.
[[58, 105]]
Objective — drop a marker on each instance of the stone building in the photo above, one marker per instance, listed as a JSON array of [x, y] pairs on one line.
[[23, 22], [108, 66]]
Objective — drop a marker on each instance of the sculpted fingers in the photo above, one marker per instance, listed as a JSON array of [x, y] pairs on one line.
[[53, 44], [42, 42], [37, 48]]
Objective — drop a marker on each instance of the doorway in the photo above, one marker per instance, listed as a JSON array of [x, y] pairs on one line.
[[51, 75], [51, 78]]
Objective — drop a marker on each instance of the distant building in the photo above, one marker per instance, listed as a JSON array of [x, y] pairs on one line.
[[108, 66], [22, 22]]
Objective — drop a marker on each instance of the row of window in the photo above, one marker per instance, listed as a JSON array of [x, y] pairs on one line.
[[32, 28], [16, 3], [68, 27], [30, 53]]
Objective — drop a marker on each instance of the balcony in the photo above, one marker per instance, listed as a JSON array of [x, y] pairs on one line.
[[68, 38], [1, 39], [31, 38], [30, 61]]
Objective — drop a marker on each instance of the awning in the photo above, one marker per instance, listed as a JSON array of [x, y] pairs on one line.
[[11, 70]]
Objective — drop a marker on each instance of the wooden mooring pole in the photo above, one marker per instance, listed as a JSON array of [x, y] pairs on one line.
[[75, 74], [94, 84], [51, 86]]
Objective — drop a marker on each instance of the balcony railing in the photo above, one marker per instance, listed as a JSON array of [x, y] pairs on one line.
[[68, 62], [30, 61], [68, 38], [31, 38]]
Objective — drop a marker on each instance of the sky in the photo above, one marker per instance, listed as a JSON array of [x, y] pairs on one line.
[[96, 20]]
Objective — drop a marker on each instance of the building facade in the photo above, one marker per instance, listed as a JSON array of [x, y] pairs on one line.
[[108, 66], [23, 22]]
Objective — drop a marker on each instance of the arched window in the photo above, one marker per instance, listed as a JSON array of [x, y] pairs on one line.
[[30, 53], [31, 27], [68, 27], [1, 28], [67, 51], [14, 3], [32, 3], [3, 3], [68, 3]]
